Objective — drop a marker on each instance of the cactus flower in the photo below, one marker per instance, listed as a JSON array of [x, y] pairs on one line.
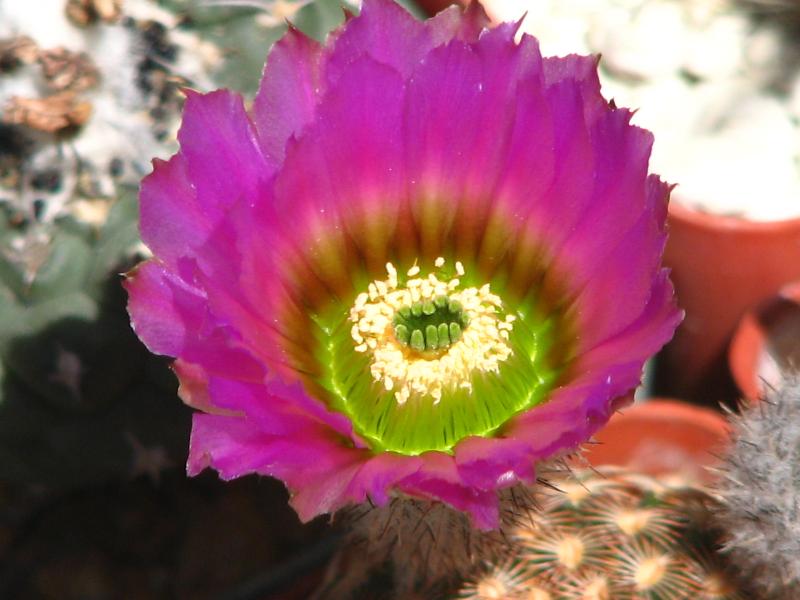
[[423, 260]]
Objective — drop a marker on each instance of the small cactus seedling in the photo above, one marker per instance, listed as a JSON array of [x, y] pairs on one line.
[[760, 492], [611, 536]]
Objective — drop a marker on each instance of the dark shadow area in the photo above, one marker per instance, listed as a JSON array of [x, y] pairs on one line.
[[94, 501]]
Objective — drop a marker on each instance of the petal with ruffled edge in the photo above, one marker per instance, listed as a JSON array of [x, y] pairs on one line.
[[299, 69]]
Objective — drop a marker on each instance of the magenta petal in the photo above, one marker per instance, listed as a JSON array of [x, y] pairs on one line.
[[473, 22], [562, 206], [362, 110], [630, 266], [289, 92], [646, 335], [576, 411], [580, 70], [452, 165], [238, 298], [172, 319], [453, 23], [572, 415], [439, 479], [316, 469], [549, 178], [279, 409], [386, 33], [193, 388], [224, 160], [479, 83], [157, 316], [381, 474], [223, 443], [621, 153], [171, 222], [484, 464]]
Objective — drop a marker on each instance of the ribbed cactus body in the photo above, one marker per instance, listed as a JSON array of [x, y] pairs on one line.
[[611, 535]]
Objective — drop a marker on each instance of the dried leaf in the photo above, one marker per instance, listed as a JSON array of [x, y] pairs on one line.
[[51, 114], [65, 70], [17, 51], [88, 12]]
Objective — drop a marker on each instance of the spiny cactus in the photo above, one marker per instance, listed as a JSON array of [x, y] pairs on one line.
[[611, 535], [760, 492], [414, 548]]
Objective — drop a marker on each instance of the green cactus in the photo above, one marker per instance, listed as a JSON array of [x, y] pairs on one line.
[[611, 535]]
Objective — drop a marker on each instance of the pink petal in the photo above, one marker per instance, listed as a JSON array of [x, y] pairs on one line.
[[350, 185], [171, 221], [439, 479], [172, 318], [388, 34], [644, 336], [451, 164], [219, 143], [315, 468], [621, 155], [289, 92], [630, 266]]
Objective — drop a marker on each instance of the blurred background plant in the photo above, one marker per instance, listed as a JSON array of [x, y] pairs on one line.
[[92, 436]]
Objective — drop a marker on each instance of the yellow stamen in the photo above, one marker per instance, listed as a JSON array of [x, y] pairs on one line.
[[483, 344]]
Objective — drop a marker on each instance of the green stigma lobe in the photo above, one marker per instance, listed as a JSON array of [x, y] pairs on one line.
[[430, 325]]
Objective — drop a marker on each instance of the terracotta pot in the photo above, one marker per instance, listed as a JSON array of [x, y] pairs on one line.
[[766, 343], [661, 437], [721, 267]]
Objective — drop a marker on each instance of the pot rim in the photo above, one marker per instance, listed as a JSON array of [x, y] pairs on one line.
[[663, 437], [659, 409], [707, 220], [749, 340]]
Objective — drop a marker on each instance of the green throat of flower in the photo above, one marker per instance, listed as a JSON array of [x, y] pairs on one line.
[[422, 361]]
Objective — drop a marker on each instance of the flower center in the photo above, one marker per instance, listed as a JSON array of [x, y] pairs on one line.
[[430, 325], [428, 335], [406, 389]]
